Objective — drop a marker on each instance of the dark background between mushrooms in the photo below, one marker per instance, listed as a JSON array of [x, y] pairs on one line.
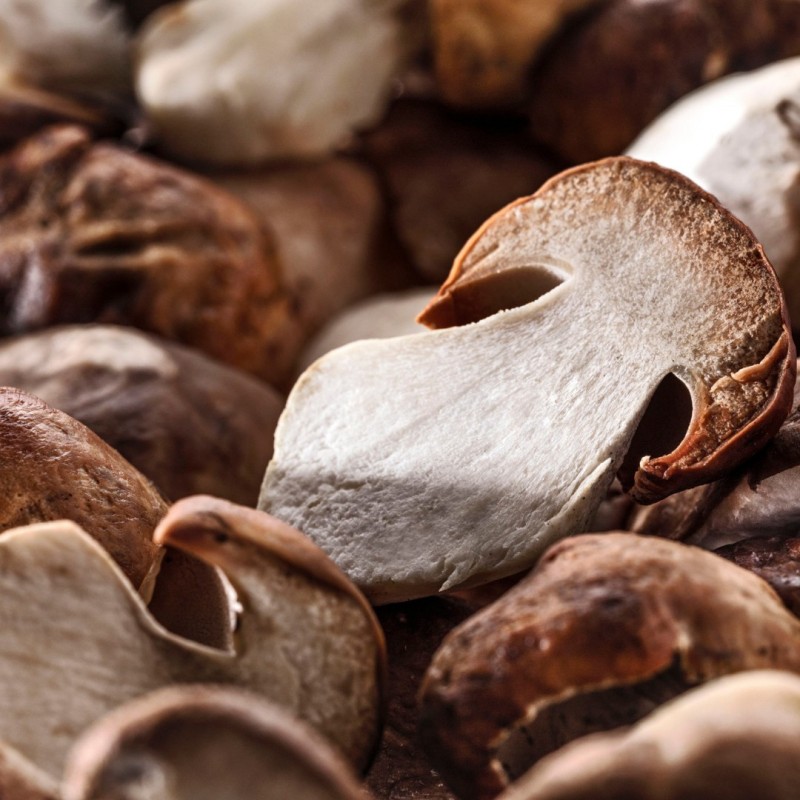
[[186, 251]]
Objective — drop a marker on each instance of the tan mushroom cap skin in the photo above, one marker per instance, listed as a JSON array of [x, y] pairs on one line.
[[205, 743], [454, 457], [52, 467], [737, 738], [87, 643], [599, 611]]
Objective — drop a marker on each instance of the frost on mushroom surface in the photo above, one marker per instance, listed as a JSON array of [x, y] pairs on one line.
[[605, 629], [241, 82], [739, 138], [205, 743], [453, 457], [88, 644], [737, 738]]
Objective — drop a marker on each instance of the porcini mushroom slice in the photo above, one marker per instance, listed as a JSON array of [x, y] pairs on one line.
[[455, 457], [190, 424], [605, 629], [94, 233], [305, 639], [734, 739], [204, 743]]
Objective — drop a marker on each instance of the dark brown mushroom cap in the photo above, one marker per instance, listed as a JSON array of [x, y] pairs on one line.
[[196, 742], [94, 233], [52, 467], [191, 424], [600, 612], [737, 409], [736, 738]]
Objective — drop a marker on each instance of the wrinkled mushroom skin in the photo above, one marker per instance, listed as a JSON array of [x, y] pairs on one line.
[[204, 743], [733, 739], [52, 467], [190, 424], [606, 628], [93, 233], [305, 639]]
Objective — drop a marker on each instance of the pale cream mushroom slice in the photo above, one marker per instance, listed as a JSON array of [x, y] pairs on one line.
[[454, 457], [205, 743], [236, 82], [739, 138], [86, 644], [605, 629], [737, 738], [485, 49], [192, 425]]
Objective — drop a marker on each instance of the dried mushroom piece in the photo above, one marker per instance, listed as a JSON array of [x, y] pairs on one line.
[[302, 80], [94, 233], [606, 628], [735, 739], [205, 743], [190, 424], [417, 462], [305, 639], [485, 49]]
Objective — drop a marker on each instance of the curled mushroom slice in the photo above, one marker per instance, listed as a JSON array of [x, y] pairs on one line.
[[734, 739], [190, 424], [306, 638], [606, 628], [204, 743], [455, 457], [93, 233]]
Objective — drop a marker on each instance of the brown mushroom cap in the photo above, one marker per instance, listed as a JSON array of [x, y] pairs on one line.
[[205, 743], [605, 629], [455, 457], [190, 424], [88, 644], [94, 233], [737, 738]]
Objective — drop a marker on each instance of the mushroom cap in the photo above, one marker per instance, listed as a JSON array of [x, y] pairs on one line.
[[580, 645], [205, 743], [296, 87], [454, 457], [733, 739], [190, 424], [88, 644]]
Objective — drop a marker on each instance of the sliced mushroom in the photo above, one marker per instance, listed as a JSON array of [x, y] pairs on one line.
[[455, 457], [734, 739], [204, 743], [739, 138], [190, 424], [76, 641], [21, 780], [237, 83], [485, 49], [606, 628], [94, 233]]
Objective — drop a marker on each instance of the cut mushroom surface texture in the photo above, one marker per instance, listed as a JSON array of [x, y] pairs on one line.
[[605, 629], [76, 641], [737, 738], [205, 743], [453, 457]]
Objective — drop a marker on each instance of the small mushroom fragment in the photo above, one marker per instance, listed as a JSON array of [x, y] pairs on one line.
[[236, 82], [76, 641], [604, 630], [94, 233], [445, 175], [416, 462], [734, 739], [190, 424], [739, 138], [485, 49], [205, 743], [21, 780]]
